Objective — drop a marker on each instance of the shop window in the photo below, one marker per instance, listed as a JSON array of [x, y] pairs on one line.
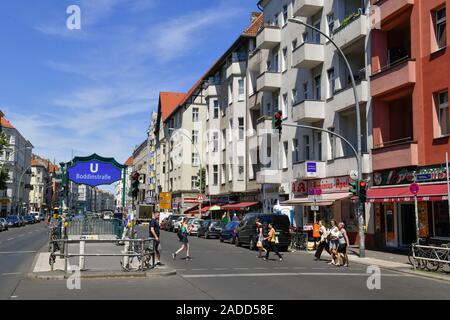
[[441, 219]]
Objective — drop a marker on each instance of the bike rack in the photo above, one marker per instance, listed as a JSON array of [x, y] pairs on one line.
[[67, 255], [432, 249]]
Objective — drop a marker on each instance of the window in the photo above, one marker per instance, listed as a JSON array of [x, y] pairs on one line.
[[296, 150], [275, 66], [318, 88], [195, 116], [194, 182], [171, 124], [284, 61], [332, 143], [444, 120], [230, 169], [307, 147], [294, 44], [164, 169], [441, 31], [305, 91], [294, 96], [224, 137], [275, 20], [285, 155], [230, 93], [316, 35], [284, 105], [241, 169], [241, 128], [305, 37], [331, 83], [276, 98], [216, 109], [215, 175], [285, 15], [8, 156], [195, 160], [215, 141], [194, 136], [230, 130], [222, 174], [319, 146], [330, 20], [241, 90]]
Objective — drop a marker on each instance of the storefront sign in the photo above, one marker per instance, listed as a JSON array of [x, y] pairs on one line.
[[330, 185], [311, 169], [407, 175], [299, 187]]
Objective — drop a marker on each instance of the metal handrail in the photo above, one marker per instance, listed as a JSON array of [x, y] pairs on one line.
[[66, 255], [445, 247]]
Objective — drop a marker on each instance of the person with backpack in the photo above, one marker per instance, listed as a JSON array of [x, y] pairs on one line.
[[272, 243], [183, 236]]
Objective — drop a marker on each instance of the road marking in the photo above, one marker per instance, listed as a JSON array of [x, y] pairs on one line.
[[14, 297], [220, 269], [199, 269], [12, 274], [314, 274], [17, 252], [261, 268], [20, 235], [240, 268], [30, 232], [10, 239]]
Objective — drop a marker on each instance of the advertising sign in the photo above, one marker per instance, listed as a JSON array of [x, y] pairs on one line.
[[165, 202], [311, 169]]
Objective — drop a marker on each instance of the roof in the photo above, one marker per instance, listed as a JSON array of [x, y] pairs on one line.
[[129, 162], [5, 123], [258, 20], [38, 163], [169, 101], [186, 97]]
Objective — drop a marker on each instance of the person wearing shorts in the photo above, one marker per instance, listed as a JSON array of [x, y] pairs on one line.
[[334, 243], [343, 243]]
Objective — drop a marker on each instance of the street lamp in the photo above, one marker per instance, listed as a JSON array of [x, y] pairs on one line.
[[358, 204], [18, 187], [201, 164]]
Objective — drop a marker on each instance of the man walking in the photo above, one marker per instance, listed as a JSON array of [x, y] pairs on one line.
[[155, 233], [323, 244]]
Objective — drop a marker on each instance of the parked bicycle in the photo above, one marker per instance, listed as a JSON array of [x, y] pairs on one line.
[[138, 257], [428, 256], [299, 241]]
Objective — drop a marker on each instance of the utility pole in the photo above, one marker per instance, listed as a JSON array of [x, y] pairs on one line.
[[358, 205]]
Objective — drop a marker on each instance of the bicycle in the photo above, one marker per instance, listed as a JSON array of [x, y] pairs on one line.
[[419, 253], [440, 255], [134, 262], [299, 241]]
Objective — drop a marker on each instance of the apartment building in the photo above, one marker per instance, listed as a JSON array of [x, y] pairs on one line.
[[119, 187], [411, 124], [140, 163], [41, 185], [296, 70], [84, 198], [230, 175], [151, 156], [16, 159]]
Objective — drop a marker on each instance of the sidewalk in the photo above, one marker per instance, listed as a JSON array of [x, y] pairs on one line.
[[386, 260], [95, 267]]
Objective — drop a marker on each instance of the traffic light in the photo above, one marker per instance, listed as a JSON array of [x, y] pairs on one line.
[[278, 121], [363, 191], [135, 184], [354, 188]]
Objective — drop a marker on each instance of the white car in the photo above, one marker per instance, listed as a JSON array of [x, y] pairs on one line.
[[195, 225], [36, 216], [177, 224], [108, 216]]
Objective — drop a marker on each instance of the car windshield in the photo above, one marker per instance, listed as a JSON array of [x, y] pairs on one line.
[[216, 224]]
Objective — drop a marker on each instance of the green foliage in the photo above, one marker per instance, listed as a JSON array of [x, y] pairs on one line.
[[201, 181]]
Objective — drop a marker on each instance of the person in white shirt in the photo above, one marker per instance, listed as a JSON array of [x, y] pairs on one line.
[[323, 241], [334, 243]]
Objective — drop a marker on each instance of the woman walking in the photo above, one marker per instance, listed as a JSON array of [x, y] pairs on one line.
[[260, 243], [334, 243], [323, 244], [272, 244], [343, 243], [184, 232]]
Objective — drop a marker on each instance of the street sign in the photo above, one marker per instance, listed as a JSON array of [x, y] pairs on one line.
[[414, 188], [165, 202], [311, 169], [314, 208], [201, 198]]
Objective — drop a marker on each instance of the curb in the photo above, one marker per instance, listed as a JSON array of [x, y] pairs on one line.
[[59, 275], [406, 269]]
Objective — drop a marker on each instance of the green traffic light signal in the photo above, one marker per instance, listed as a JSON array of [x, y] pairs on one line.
[[354, 188]]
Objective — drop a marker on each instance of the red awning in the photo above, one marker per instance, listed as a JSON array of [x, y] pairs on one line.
[[239, 206], [190, 210], [427, 192]]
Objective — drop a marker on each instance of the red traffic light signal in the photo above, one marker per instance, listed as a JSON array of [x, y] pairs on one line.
[[278, 115], [363, 184], [135, 176]]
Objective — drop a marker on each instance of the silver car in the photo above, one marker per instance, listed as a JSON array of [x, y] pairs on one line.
[[3, 224]]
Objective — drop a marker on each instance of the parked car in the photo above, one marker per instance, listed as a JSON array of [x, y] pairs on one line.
[[177, 224], [163, 224], [108, 216], [229, 232], [195, 225], [38, 216], [22, 220], [210, 229], [246, 233], [172, 219], [14, 222], [3, 224], [29, 219], [35, 215]]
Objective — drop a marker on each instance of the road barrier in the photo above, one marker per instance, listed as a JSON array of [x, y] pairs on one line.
[[433, 258], [88, 227]]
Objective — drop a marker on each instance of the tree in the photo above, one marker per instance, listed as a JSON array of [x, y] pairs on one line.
[[201, 180]]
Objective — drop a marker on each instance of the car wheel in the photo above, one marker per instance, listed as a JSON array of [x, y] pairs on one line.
[[233, 240], [221, 239], [206, 235], [236, 242]]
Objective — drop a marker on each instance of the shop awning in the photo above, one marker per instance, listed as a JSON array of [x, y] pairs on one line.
[[215, 208], [427, 192], [239, 206], [327, 199]]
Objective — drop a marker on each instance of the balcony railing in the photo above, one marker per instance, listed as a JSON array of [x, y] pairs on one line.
[[392, 64], [392, 143], [347, 21]]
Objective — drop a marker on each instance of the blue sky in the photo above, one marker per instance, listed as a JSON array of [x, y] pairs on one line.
[[92, 90]]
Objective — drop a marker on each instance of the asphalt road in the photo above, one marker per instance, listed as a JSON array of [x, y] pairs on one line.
[[18, 247], [222, 271]]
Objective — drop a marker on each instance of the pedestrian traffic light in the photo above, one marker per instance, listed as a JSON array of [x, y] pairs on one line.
[[135, 184], [278, 121], [354, 188], [363, 191]]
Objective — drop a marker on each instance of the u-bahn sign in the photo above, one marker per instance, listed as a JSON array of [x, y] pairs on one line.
[[95, 171]]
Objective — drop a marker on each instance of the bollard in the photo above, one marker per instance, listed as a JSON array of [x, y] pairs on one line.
[[82, 258]]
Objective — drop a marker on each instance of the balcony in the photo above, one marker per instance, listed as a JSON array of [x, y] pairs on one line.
[[383, 11], [255, 101], [309, 111], [393, 78], [268, 176], [343, 166], [238, 65], [211, 91], [269, 81], [264, 125], [308, 56], [268, 37], [254, 61], [396, 154], [301, 171], [351, 32], [345, 98], [307, 8]]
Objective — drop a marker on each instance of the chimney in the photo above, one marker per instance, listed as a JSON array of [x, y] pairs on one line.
[[254, 15]]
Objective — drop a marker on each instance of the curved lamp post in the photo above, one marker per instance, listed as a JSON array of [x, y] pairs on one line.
[[358, 204]]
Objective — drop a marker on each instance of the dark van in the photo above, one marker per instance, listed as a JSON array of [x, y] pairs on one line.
[[246, 233]]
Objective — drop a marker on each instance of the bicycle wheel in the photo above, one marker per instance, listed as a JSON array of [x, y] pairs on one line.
[[438, 255]]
